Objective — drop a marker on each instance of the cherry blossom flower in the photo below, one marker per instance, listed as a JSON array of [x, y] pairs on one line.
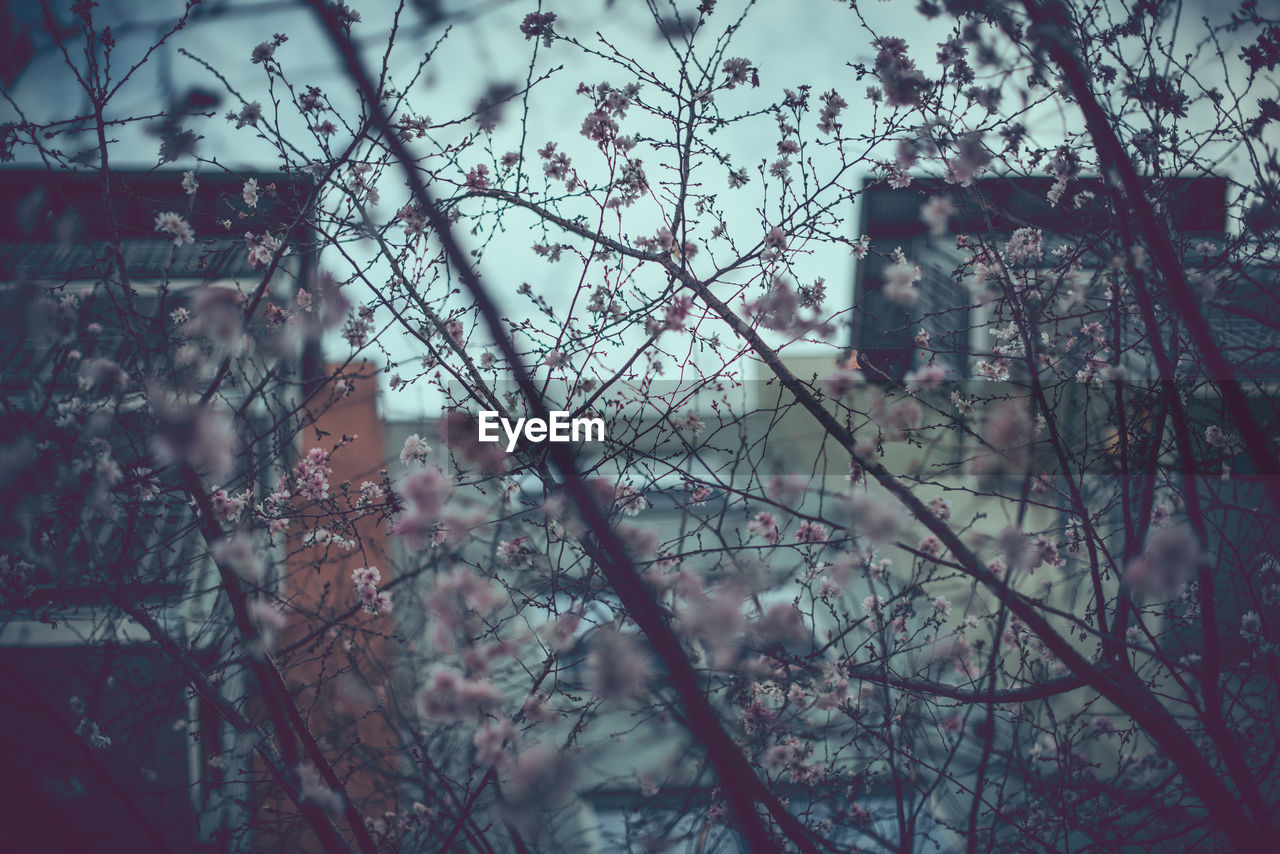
[[629, 500], [173, 223], [936, 213], [762, 525], [617, 665], [366, 580], [262, 53], [941, 508], [312, 475], [737, 71], [478, 178], [415, 451], [539, 25], [900, 280], [491, 741], [903, 84], [450, 696], [812, 533], [832, 106]]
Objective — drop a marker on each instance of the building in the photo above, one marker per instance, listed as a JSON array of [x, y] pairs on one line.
[[104, 740]]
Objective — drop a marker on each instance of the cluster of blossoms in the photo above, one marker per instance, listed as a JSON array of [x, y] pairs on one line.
[[787, 489], [611, 103], [249, 116], [249, 193], [362, 183], [261, 248], [539, 25], [828, 116], [930, 546], [414, 220], [737, 71], [172, 223], [328, 537], [812, 533], [226, 507], [690, 424], [312, 475], [900, 280], [763, 525], [514, 553], [556, 164], [268, 616], [458, 603], [936, 213], [358, 326], [491, 740], [1227, 440], [370, 494], [629, 500], [698, 493], [941, 508], [451, 696], [415, 451], [791, 756], [478, 178], [618, 667], [1025, 246], [902, 82], [366, 580]]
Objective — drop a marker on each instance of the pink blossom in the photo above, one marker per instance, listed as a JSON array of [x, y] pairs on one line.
[[311, 475], [490, 742], [250, 192], [940, 507], [812, 533], [629, 500], [173, 223], [787, 488], [936, 213], [539, 25], [930, 546], [832, 106], [618, 667], [903, 83], [262, 53], [762, 525], [227, 508], [900, 281], [739, 70], [677, 312], [514, 553], [478, 178], [415, 451], [450, 696], [366, 580]]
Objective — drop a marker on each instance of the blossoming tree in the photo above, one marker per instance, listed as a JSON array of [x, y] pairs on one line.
[[978, 554]]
